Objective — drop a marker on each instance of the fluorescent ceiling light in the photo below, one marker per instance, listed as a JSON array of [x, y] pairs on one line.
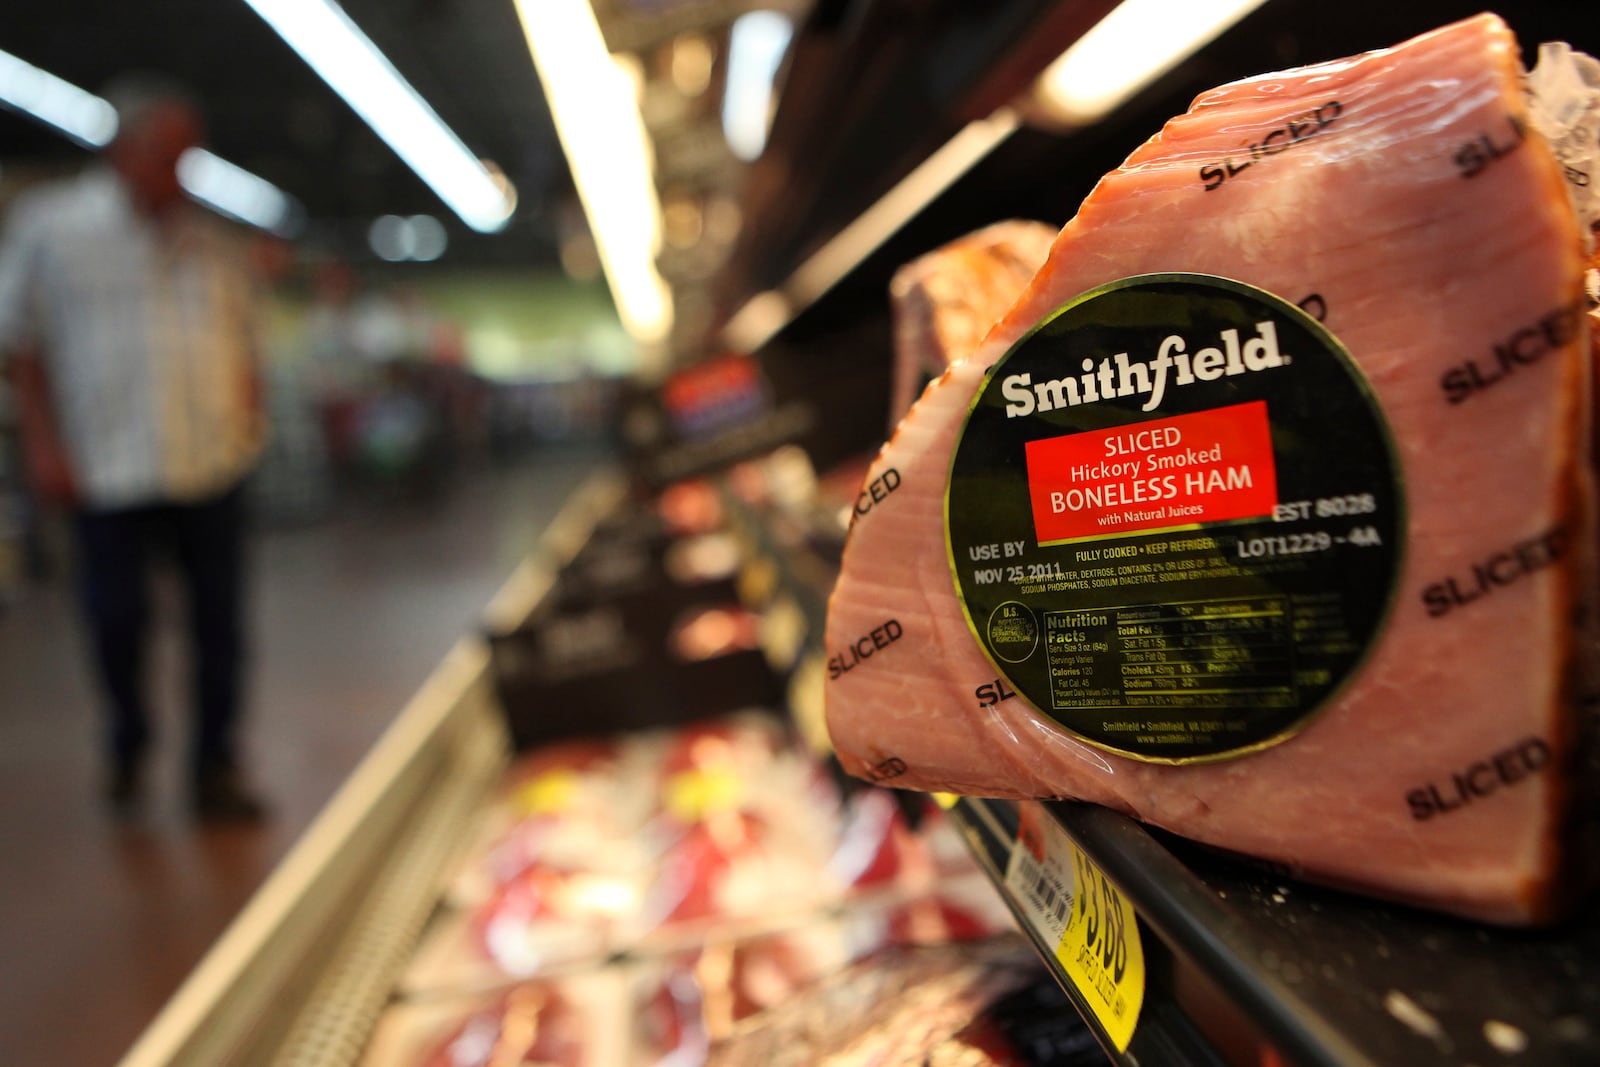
[[595, 107], [1135, 44], [351, 64], [77, 113], [756, 44], [236, 192]]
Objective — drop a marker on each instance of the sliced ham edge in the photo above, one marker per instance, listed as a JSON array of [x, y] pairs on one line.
[[944, 301]]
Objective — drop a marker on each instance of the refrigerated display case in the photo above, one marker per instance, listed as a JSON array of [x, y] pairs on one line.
[[644, 869]]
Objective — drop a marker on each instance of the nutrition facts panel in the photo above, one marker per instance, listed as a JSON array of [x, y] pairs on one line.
[[1234, 653]]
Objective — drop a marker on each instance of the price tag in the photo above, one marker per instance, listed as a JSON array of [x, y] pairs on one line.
[[1072, 905]]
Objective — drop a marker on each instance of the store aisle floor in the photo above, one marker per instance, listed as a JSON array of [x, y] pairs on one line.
[[100, 921]]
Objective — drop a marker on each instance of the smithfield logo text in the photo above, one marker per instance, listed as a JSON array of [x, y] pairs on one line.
[[1116, 377]]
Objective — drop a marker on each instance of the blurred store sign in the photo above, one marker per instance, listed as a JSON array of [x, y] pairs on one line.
[[715, 395], [732, 407], [706, 417]]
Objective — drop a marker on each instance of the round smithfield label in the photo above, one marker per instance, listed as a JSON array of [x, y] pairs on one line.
[[1174, 517]]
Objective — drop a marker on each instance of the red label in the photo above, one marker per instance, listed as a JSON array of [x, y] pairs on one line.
[[1210, 466], [714, 394]]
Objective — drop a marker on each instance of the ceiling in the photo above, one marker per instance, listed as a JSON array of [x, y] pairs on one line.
[[870, 88], [268, 112]]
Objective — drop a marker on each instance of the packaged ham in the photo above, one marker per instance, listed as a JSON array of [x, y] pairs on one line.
[[731, 868], [531, 1024], [1264, 514], [560, 800], [945, 301], [563, 807], [547, 917], [916, 1005]]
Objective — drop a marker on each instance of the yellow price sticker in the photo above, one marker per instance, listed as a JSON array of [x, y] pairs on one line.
[[1071, 904], [1101, 951]]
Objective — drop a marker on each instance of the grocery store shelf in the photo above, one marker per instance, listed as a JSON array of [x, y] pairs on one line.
[[1238, 958]]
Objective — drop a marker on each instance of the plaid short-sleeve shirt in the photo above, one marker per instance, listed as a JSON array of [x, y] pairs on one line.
[[147, 332]]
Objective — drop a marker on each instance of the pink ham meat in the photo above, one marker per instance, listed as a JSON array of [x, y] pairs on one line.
[[945, 301], [1425, 250]]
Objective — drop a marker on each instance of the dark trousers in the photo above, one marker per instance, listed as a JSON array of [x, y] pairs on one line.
[[117, 552]]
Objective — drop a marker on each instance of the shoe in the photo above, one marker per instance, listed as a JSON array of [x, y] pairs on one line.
[[221, 796], [124, 790]]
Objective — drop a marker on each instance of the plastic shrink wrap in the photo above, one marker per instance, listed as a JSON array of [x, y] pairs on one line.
[[1288, 543]]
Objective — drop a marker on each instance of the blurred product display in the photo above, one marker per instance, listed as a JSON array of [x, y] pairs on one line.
[[685, 880], [799, 740]]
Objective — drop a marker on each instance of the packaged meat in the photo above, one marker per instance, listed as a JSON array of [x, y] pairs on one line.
[[915, 1005], [877, 848], [563, 807], [935, 920], [566, 1022], [1262, 515], [731, 867], [1564, 106], [531, 1024], [546, 917], [669, 1028], [945, 301]]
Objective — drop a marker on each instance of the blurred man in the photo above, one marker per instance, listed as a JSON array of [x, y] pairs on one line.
[[128, 314]]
